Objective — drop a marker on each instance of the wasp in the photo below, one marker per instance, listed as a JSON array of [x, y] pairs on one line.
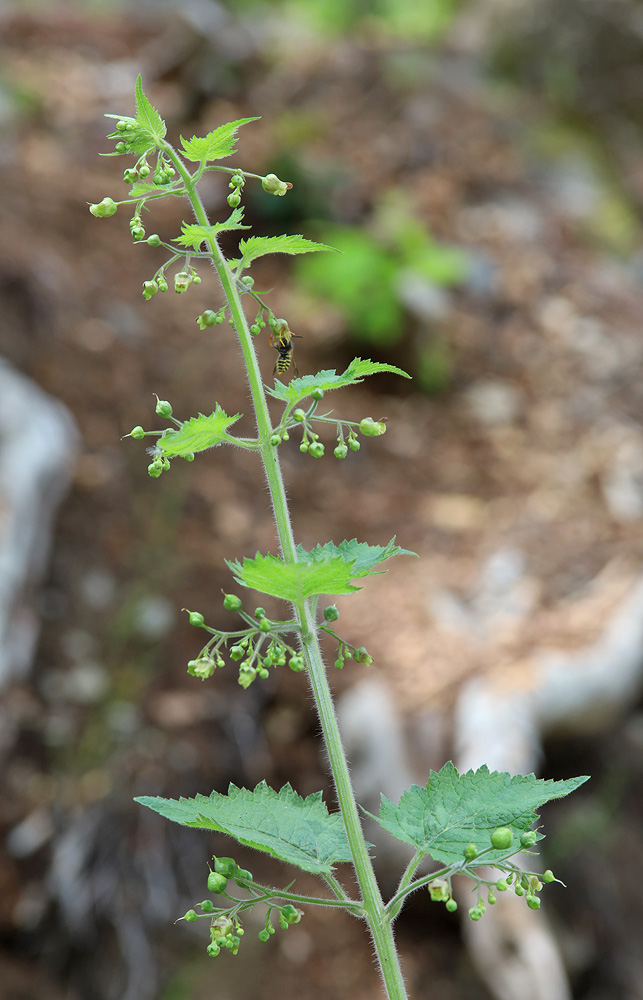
[[282, 342]]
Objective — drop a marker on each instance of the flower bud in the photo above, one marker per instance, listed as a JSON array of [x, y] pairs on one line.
[[528, 838], [451, 905], [361, 655], [372, 428], [154, 240], [331, 614], [190, 916], [234, 199], [548, 876], [533, 902], [341, 451], [104, 208], [137, 432], [296, 663], [316, 449], [197, 619], [150, 288], [470, 852], [182, 282], [163, 408], [273, 185]]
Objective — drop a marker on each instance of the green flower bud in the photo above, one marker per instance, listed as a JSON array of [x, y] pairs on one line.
[[154, 240], [528, 838], [548, 876], [237, 180], [232, 603], [501, 838], [275, 439], [265, 625], [234, 199], [137, 432], [196, 619], [354, 444], [475, 913], [162, 283], [163, 408], [255, 329], [451, 905], [190, 916], [243, 873], [237, 652], [470, 852], [518, 889], [182, 282], [216, 882], [316, 449], [225, 866], [138, 234], [291, 914], [317, 394], [207, 318], [296, 663], [491, 898], [303, 446], [331, 614], [207, 906], [154, 470], [341, 451], [361, 655], [372, 428], [202, 668], [247, 675], [196, 279], [104, 208], [150, 288], [143, 171], [502, 885], [248, 281], [339, 663], [273, 185], [299, 415], [533, 902], [438, 890], [263, 935]]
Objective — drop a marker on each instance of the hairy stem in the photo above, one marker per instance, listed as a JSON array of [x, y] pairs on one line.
[[377, 918]]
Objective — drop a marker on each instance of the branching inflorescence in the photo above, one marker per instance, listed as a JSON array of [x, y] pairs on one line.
[[467, 823]]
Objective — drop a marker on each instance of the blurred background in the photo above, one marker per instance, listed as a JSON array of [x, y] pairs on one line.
[[481, 165]]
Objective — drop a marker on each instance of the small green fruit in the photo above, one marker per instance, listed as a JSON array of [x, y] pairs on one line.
[[196, 619], [548, 876], [190, 916], [216, 882], [163, 408], [451, 905], [501, 838], [137, 432], [225, 866], [331, 614], [528, 838], [231, 602], [470, 852]]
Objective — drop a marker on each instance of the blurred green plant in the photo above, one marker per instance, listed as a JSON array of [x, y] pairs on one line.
[[369, 282]]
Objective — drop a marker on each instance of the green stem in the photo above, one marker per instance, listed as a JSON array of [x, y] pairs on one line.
[[378, 919]]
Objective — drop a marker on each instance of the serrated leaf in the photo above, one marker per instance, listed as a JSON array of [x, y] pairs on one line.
[[294, 581], [259, 246], [454, 810], [147, 117], [198, 434], [298, 831], [362, 556], [216, 145], [358, 369], [193, 235]]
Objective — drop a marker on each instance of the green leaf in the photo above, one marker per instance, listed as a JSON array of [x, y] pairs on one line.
[[362, 556], [147, 117], [193, 235], [299, 388], [294, 581], [259, 246], [197, 434], [298, 831], [454, 810], [216, 145]]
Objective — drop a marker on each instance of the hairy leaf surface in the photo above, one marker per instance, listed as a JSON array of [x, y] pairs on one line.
[[299, 388], [454, 810], [298, 831], [294, 581], [216, 145], [198, 434]]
